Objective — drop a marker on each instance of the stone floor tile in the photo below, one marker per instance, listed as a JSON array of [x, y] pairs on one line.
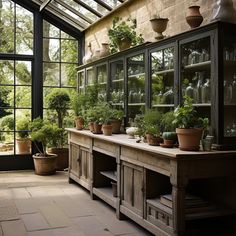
[[1, 233], [35, 222], [54, 216], [20, 193], [44, 232], [25, 206], [13, 228], [8, 213], [69, 231]]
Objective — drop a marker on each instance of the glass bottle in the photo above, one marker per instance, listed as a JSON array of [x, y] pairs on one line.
[[206, 92], [130, 96], [234, 89], [199, 87], [227, 92], [190, 91], [160, 98], [168, 96]]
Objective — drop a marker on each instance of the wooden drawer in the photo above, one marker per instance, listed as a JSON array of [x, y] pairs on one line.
[[105, 147], [81, 140], [148, 160]]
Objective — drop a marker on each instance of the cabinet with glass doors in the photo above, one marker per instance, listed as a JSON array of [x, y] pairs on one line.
[[101, 81]]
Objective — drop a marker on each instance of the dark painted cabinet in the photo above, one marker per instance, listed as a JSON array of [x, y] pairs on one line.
[[199, 63]]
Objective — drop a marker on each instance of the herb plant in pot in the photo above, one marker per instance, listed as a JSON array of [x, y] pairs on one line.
[[23, 141], [116, 120], [169, 135], [122, 34], [59, 101], [190, 127], [42, 134]]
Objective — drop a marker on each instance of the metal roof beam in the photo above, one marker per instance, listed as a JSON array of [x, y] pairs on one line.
[[74, 11], [104, 5], [89, 8], [44, 4]]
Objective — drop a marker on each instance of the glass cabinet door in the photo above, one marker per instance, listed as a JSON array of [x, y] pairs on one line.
[[136, 85], [81, 81], [116, 96], [229, 86], [196, 74], [162, 78], [102, 82], [90, 76]]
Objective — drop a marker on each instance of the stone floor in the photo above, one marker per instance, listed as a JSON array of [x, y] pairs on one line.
[[35, 205]]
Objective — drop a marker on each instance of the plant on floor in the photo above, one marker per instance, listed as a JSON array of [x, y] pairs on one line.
[[123, 30]]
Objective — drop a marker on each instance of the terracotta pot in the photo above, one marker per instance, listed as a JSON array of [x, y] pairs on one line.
[[104, 51], [79, 123], [159, 25], [193, 17], [107, 130], [169, 142], [62, 161], [153, 141], [116, 124], [23, 146], [189, 139], [97, 128], [45, 165], [124, 44], [91, 128]]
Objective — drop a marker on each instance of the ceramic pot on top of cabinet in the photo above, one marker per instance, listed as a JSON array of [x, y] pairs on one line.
[[193, 17]]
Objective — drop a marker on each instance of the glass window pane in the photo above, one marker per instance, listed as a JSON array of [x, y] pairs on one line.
[[7, 30], [6, 72], [69, 51], [51, 73], [24, 31], [23, 96], [6, 143], [51, 50], [23, 73], [66, 36], [7, 121], [68, 74], [46, 91], [7, 96], [50, 30]]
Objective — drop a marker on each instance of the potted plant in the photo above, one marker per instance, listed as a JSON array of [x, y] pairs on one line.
[[59, 101], [23, 141], [42, 134], [77, 104], [168, 129], [122, 34], [190, 126], [116, 120], [151, 121]]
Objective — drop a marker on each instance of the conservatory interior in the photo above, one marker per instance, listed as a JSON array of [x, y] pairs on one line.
[[131, 103]]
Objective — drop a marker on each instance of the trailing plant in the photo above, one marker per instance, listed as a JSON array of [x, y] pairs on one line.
[[123, 29]]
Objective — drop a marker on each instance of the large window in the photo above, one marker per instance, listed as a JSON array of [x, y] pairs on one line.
[[60, 59], [16, 40]]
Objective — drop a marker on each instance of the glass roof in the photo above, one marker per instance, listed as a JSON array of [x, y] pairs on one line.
[[79, 13]]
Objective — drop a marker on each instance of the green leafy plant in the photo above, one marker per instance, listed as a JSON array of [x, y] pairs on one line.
[[186, 116], [153, 129], [22, 125], [123, 29], [45, 133], [167, 122], [78, 103]]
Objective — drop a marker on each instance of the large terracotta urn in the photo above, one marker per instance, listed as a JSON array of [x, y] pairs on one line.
[[194, 17]]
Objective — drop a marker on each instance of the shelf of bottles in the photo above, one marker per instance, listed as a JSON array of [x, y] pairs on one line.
[[136, 85], [81, 81], [102, 82], [230, 88], [162, 84], [196, 74], [117, 84]]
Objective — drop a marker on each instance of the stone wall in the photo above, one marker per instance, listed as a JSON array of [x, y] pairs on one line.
[[143, 10]]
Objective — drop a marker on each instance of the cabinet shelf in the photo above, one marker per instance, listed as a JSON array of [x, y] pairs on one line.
[[163, 105], [136, 76], [164, 72], [201, 65], [117, 104], [202, 104], [103, 83], [230, 104], [208, 212], [109, 174], [106, 194], [137, 104], [117, 80], [229, 63]]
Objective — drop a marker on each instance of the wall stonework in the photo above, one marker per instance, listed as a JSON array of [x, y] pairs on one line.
[[142, 11]]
